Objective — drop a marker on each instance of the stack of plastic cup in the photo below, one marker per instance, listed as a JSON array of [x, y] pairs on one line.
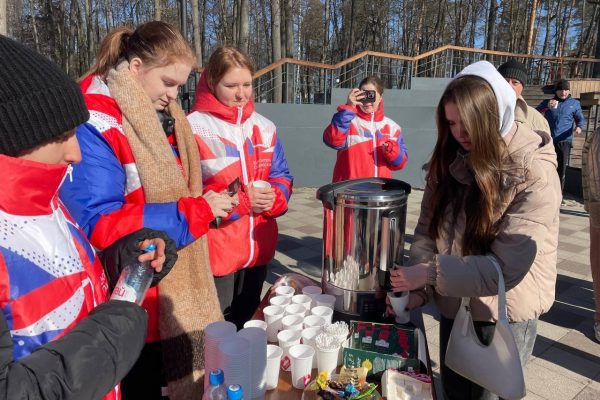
[[287, 338], [301, 356], [214, 334], [273, 316], [274, 354], [256, 365]]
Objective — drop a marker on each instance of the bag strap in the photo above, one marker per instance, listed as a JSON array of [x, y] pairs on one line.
[[501, 291]]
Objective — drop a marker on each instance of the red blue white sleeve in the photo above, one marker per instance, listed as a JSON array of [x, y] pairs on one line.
[[396, 154], [281, 180], [96, 199], [337, 131]]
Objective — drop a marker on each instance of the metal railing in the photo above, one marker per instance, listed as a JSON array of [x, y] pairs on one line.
[[303, 82]]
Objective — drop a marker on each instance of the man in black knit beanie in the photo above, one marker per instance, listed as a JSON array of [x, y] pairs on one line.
[[515, 74], [59, 337]]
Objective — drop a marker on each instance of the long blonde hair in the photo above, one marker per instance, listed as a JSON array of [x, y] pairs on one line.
[[156, 43], [478, 111]]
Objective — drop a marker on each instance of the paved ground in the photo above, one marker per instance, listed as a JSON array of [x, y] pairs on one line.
[[566, 360]]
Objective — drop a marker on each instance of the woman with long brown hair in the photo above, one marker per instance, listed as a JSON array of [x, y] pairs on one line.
[[141, 167], [492, 196]]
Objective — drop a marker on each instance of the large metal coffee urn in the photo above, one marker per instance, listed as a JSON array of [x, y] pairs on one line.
[[363, 237]]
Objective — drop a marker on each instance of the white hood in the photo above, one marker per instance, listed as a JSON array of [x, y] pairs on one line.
[[505, 95]]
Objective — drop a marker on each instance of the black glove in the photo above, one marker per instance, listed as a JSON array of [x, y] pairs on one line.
[[126, 251]]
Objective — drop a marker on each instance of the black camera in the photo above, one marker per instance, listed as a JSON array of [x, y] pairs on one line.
[[369, 96], [167, 122]]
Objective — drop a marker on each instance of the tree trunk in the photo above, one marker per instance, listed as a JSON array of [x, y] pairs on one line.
[[89, 32], [36, 37], [531, 26], [157, 10], [243, 27], [491, 25], [276, 44], [327, 19], [197, 31], [3, 18], [289, 29]]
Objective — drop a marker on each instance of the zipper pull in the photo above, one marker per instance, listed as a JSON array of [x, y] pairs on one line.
[[70, 172]]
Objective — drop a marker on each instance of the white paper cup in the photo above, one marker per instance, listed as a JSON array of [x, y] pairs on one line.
[[286, 291], [274, 354], [324, 312], [315, 321], [295, 309], [301, 356], [293, 322], [325, 300], [261, 184], [302, 299], [399, 306], [273, 316], [281, 301], [256, 323], [287, 338], [327, 360], [308, 338]]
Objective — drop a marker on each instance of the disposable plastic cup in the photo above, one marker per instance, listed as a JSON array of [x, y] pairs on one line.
[[313, 321], [308, 338], [256, 323], [325, 300], [301, 356], [399, 304], [273, 316], [281, 301], [302, 299], [312, 291], [324, 312], [287, 338], [327, 360], [296, 309], [293, 322], [274, 354], [286, 291], [261, 184]]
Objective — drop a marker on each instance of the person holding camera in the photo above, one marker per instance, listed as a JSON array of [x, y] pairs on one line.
[[368, 143], [141, 168]]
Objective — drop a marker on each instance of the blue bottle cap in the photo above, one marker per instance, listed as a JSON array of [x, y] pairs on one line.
[[235, 392], [151, 247], [216, 377]]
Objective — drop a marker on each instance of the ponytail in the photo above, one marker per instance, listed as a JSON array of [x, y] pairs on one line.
[[112, 49]]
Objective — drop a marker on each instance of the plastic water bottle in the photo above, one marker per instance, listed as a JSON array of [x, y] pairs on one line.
[[235, 392], [216, 390], [134, 281]]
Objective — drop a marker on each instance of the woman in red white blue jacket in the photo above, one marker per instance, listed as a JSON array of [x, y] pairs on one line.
[[368, 143], [238, 143]]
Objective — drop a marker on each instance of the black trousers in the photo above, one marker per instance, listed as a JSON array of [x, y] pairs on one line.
[[563, 154], [146, 379], [239, 293]]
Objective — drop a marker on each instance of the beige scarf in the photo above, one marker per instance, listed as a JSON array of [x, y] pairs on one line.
[[188, 298]]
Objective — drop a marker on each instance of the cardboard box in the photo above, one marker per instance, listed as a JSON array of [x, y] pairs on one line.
[[378, 347]]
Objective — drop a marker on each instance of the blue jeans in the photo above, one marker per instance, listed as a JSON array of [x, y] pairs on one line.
[[457, 387]]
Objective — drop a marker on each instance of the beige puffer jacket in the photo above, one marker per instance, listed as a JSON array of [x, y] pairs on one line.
[[526, 246]]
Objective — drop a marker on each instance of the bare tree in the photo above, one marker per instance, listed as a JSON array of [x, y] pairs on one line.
[[157, 10], [530, 31], [3, 18], [198, 31], [276, 43], [243, 26], [491, 25]]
